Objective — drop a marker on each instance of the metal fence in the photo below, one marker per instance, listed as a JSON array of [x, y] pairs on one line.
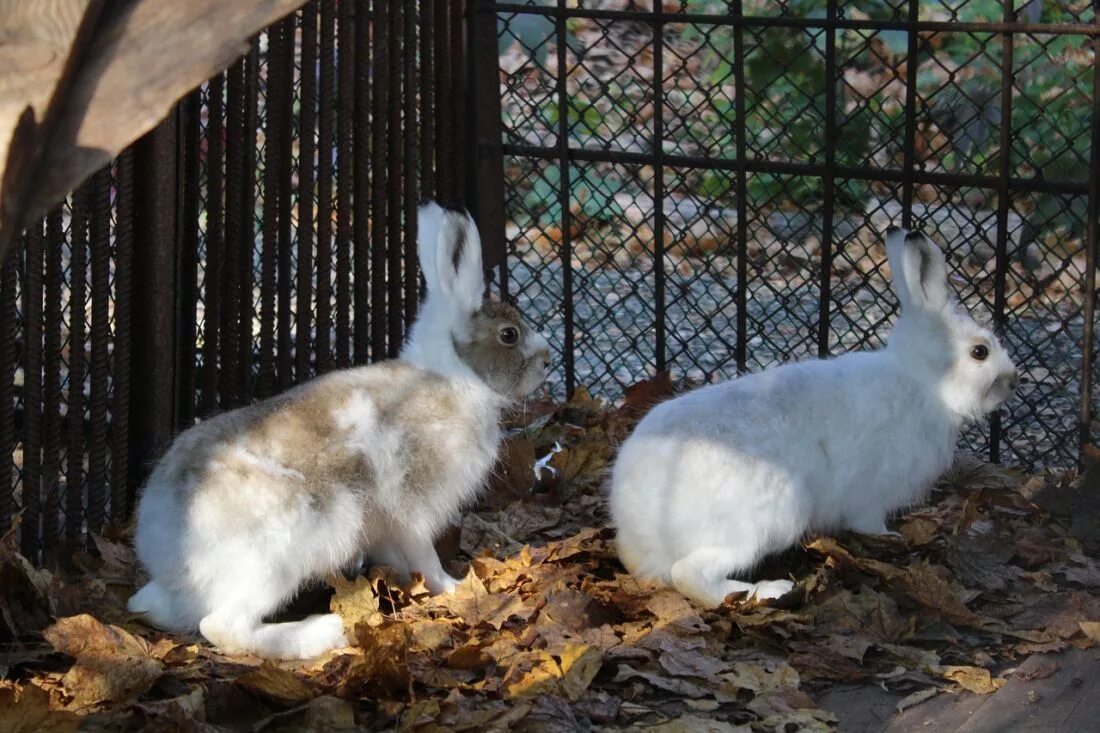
[[701, 186], [274, 221], [697, 186]]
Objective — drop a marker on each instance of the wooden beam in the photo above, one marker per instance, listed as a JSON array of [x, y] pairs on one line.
[[41, 44], [143, 57]]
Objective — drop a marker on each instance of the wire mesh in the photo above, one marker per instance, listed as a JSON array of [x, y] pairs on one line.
[[704, 185], [298, 174]]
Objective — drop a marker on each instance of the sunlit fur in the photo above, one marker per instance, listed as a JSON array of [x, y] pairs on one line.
[[713, 481], [246, 507]]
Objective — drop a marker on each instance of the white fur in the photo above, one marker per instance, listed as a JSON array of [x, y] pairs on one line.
[[230, 527], [713, 481]]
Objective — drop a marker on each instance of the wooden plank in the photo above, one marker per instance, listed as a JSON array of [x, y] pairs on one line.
[[41, 42], [1056, 692], [143, 57]]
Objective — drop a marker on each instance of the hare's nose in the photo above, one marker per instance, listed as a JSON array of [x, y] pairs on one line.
[[1012, 381]]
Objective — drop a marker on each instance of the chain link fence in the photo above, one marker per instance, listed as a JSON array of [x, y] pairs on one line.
[[702, 186], [274, 220]]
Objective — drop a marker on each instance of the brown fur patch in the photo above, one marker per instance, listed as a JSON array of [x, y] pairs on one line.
[[503, 367]]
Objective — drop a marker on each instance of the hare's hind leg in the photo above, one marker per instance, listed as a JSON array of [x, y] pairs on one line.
[[703, 576], [390, 555], [421, 557]]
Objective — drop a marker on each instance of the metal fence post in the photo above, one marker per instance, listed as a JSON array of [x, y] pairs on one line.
[[153, 363], [485, 184]]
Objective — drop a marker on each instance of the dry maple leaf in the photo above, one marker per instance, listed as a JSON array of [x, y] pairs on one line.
[[177, 712], [100, 678], [28, 711], [929, 588], [356, 602], [76, 635], [278, 684], [974, 679], [26, 603], [112, 665], [476, 606], [1091, 629], [697, 724], [868, 612], [830, 547], [641, 397], [383, 661]]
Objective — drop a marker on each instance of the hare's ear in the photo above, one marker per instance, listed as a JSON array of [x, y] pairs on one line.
[[919, 270], [450, 255]]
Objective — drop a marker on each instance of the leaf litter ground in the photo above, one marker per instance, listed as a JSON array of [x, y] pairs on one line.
[[548, 633]]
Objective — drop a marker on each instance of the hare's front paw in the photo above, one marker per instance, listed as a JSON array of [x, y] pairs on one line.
[[772, 589], [441, 583]]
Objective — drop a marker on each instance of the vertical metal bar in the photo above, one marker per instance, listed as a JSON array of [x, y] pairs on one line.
[[395, 189], [1004, 203], [485, 179], [410, 275], [122, 495], [188, 255], [8, 355], [565, 255], [215, 242], [32, 394], [740, 90], [380, 181], [51, 441], [306, 179], [230, 387], [457, 161], [284, 94], [74, 408], [444, 97], [828, 207], [273, 161], [153, 367], [345, 117], [247, 313], [100, 245], [659, 192], [909, 151], [428, 76], [366, 125], [1088, 286], [324, 186]]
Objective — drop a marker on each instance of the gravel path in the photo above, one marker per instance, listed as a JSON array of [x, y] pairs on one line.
[[615, 341]]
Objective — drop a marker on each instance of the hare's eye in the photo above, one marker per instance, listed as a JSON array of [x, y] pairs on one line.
[[508, 335], [979, 352]]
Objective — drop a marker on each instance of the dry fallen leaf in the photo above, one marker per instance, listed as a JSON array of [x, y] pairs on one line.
[[476, 606], [1091, 629], [383, 661], [697, 724], [28, 711], [929, 588], [355, 601], [112, 665], [84, 634], [548, 633], [974, 679], [277, 683]]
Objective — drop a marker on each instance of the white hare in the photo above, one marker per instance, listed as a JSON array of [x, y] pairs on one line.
[[246, 507], [711, 482]]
